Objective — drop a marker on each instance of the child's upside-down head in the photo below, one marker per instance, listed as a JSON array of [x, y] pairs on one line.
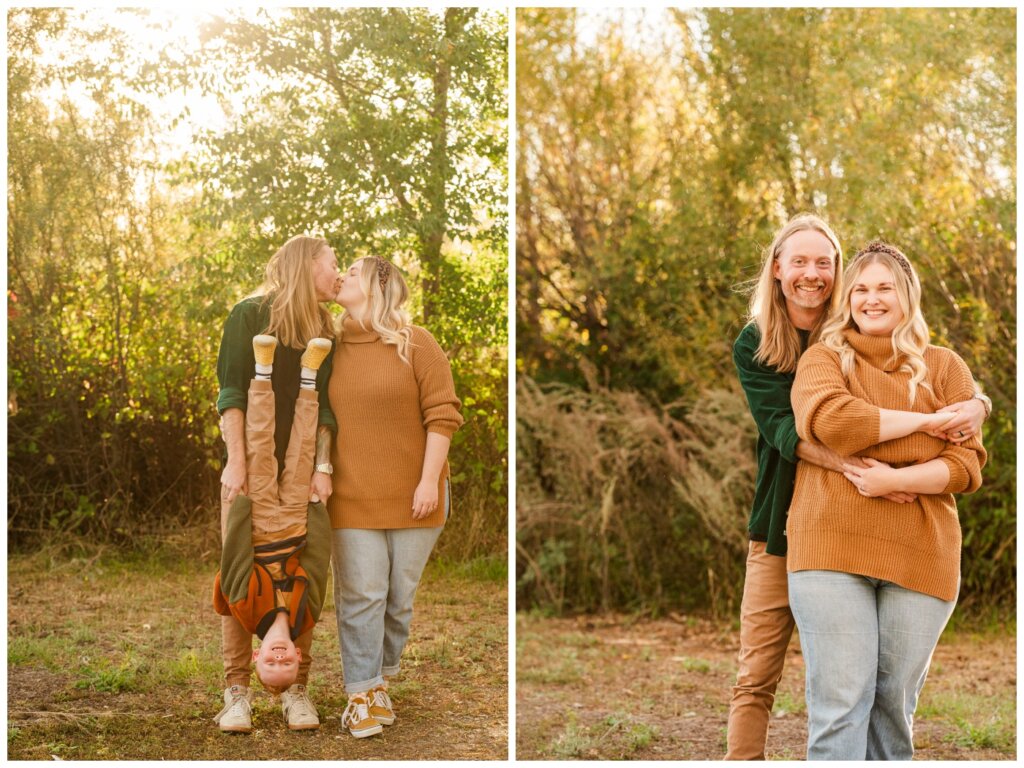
[[277, 663]]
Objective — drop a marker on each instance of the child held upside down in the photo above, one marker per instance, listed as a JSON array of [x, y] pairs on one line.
[[273, 570]]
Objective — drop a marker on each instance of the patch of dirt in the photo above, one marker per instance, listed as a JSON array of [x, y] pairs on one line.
[[610, 688], [451, 697]]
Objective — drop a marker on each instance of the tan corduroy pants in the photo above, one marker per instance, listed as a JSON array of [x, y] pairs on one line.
[[766, 626], [278, 507]]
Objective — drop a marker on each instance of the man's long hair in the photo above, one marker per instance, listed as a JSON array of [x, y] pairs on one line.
[[295, 314], [780, 344], [909, 338]]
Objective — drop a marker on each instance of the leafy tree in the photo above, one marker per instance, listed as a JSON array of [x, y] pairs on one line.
[[381, 127], [124, 260], [100, 393]]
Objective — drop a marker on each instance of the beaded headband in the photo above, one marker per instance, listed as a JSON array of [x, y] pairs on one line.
[[383, 272], [879, 247]]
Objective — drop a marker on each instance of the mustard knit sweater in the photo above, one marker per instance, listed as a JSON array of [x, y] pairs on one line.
[[385, 408], [831, 526]]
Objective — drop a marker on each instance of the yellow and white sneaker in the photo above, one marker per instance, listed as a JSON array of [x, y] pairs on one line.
[[381, 708], [263, 347], [357, 717], [316, 352]]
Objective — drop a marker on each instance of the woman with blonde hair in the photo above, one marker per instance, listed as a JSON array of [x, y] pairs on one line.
[[872, 582], [393, 393], [300, 277]]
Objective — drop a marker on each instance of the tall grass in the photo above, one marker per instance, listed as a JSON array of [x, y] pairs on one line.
[[622, 504]]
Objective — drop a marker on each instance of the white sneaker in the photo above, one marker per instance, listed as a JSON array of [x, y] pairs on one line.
[[357, 717], [236, 717], [298, 709]]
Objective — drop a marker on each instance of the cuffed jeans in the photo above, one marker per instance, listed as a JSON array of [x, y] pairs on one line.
[[376, 573], [867, 644], [766, 626]]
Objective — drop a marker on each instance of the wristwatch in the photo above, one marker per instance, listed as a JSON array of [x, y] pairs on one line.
[[986, 401], [327, 469]]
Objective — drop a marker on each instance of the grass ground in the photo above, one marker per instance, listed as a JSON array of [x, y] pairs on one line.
[[612, 688], [114, 658]]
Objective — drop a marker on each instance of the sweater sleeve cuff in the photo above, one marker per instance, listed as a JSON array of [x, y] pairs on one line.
[[788, 443], [326, 419], [958, 477], [850, 433], [232, 397], [447, 430]]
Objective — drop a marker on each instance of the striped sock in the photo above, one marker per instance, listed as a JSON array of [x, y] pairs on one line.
[[316, 352], [307, 378]]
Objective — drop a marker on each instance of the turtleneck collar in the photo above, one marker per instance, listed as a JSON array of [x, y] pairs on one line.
[[353, 333], [877, 351]]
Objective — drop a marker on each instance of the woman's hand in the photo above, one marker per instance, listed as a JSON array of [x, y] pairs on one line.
[[877, 479], [968, 418], [936, 424], [424, 501], [320, 487], [235, 480]]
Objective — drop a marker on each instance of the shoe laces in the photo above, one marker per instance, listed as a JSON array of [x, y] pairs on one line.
[[239, 696], [358, 709], [381, 698], [299, 700]]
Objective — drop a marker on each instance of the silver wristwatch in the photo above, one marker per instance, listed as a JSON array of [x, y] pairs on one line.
[[986, 401], [327, 469]]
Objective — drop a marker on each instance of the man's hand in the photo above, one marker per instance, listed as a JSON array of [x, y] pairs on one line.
[[320, 487], [937, 424], [824, 457], [424, 500], [234, 479], [969, 417], [900, 497]]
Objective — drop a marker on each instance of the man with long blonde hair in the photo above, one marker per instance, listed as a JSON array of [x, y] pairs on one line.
[[799, 287], [300, 276]]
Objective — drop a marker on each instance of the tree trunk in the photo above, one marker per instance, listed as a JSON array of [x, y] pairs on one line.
[[435, 223]]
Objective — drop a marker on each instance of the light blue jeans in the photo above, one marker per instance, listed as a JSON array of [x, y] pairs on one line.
[[867, 644], [376, 573]]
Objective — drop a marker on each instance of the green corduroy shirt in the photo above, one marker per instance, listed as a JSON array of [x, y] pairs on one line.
[[767, 392], [236, 366]]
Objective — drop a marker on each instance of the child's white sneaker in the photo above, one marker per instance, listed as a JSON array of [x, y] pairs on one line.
[[236, 717], [298, 709]]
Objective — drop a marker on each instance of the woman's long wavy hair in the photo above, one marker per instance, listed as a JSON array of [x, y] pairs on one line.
[[909, 338], [386, 292], [295, 314], [780, 346]]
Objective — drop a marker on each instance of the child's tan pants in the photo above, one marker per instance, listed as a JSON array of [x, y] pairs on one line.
[[278, 506]]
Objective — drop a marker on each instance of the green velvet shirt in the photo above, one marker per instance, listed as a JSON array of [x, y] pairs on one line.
[[767, 392], [236, 366]]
